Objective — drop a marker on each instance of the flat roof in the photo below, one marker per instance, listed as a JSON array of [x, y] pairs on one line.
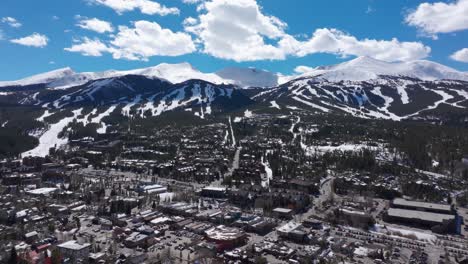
[[42, 191], [213, 188], [160, 220], [282, 210], [153, 186], [74, 245], [412, 214], [403, 202], [288, 227], [224, 233]]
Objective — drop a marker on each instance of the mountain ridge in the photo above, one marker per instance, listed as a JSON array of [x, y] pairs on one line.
[[358, 69]]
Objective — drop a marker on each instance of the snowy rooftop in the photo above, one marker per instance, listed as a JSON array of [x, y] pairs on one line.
[[74, 245], [42, 191], [289, 227], [160, 220], [403, 202], [412, 214], [212, 188], [282, 210], [224, 233]]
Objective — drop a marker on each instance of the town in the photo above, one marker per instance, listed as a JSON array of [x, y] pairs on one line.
[[258, 188]]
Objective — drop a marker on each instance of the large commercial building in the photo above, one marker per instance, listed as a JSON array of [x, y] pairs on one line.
[[440, 218], [422, 206]]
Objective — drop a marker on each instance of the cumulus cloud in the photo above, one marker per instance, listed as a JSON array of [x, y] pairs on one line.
[[90, 47], [238, 30], [140, 42], [189, 21], [34, 40], [461, 55], [94, 24], [145, 6], [439, 17], [11, 21], [337, 42], [147, 39]]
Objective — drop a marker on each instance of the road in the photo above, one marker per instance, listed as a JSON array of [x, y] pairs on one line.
[[235, 165]]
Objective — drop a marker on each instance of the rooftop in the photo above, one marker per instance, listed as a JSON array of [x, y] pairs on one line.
[[282, 210], [289, 227], [412, 214], [403, 202], [42, 191], [212, 188], [74, 245], [224, 233]]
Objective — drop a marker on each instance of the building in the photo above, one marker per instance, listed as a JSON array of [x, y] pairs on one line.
[[358, 219], [312, 223], [292, 231], [439, 223], [226, 238], [440, 218], [74, 251], [42, 191], [422, 206], [283, 213], [136, 239], [152, 189], [214, 192]]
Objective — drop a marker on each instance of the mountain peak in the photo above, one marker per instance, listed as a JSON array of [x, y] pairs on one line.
[[40, 78], [366, 68]]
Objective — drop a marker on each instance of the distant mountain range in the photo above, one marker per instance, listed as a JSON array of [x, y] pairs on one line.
[[174, 73], [363, 87], [53, 105]]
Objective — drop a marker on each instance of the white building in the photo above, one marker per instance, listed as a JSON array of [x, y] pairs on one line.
[[74, 251]]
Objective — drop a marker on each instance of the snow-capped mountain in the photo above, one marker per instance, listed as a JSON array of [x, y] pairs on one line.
[[366, 68], [41, 78], [386, 97], [362, 87], [359, 69], [174, 73]]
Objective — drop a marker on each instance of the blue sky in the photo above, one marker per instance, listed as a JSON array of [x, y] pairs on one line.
[[276, 35]]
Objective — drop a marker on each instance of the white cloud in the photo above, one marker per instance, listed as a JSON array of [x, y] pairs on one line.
[[95, 24], [303, 69], [12, 22], [189, 21], [440, 17], [34, 40], [461, 55], [334, 41], [238, 30], [90, 47], [146, 39], [2, 35], [145, 6]]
